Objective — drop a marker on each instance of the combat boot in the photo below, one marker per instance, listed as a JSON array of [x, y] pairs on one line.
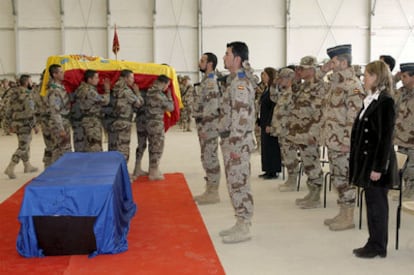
[[10, 170], [209, 196], [306, 197], [138, 170], [345, 219], [314, 200], [290, 184], [28, 168], [155, 174], [240, 232]]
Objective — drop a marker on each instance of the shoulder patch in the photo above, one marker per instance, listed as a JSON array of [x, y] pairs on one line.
[[211, 75], [356, 91], [241, 75]]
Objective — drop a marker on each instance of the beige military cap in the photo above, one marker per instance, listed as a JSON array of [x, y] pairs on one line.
[[308, 62]]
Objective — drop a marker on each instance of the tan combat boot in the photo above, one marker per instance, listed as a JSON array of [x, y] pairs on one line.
[[240, 232], [290, 184], [306, 197], [28, 168], [155, 174], [334, 219], [10, 170], [209, 196], [345, 220], [314, 200], [138, 170]]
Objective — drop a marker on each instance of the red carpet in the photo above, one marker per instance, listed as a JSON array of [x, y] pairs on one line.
[[167, 236]]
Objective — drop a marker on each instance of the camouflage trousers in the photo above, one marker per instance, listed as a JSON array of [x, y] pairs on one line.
[[408, 172], [209, 155], [24, 138], [310, 156], [92, 127], [47, 139], [289, 156], [156, 137], [185, 114], [237, 171], [338, 167], [60, 145], [120, 137], [79, 139], [142, 136]]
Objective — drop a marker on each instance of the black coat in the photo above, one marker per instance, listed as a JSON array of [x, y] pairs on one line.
[[372, 145]]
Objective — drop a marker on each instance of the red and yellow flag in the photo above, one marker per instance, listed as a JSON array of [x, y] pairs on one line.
[[115, 43], [74, 67]]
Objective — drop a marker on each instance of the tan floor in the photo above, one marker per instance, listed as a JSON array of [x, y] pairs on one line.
[[286, 240]]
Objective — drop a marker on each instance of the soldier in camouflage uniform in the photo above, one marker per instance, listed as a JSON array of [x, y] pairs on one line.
[[279, 126], [159, 100], [59, 108], [236, 126], [304, 129], [20, 118], [260, 88], [206, 114], [404, 127], [90, 105], [142, 137], [43, 118], [126, 96], [4, 90], [187, 98], [341, 105], [78, 133]]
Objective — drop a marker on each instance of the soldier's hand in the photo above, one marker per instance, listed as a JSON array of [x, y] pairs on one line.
[[107, 84], [36, 130], [234, 156], [345, 148], [135, 88], [12, 130]]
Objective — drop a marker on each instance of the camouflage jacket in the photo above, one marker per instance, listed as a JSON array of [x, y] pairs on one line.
[[157, 102], [237, 114], [343, 100], [90, 101], [20, 108], [125, 100], [304, 122], [41, 104], [281, 113], [187, 96], [404, 124], [59, 104]]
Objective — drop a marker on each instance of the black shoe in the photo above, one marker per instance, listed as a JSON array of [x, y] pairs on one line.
[[263, 175], [271, 176], [368, 253]]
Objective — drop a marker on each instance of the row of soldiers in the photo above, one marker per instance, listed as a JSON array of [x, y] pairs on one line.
[[86, 113]]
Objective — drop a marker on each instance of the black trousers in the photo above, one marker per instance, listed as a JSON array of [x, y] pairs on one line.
[[377, 216]]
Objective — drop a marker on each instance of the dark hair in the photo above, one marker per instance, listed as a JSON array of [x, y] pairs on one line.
[[347, 57], [389, 60], [89, 74], [24, 78], [239, 49], [53, 69], [271, 73], [163, 78], [126, 73], [292, 67], [211, 57]]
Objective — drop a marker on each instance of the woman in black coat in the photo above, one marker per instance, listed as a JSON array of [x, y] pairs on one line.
[[372, 163], [270, 150]]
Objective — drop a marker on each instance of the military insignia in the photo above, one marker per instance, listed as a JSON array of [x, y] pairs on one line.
[[356, 91], [240, 87]]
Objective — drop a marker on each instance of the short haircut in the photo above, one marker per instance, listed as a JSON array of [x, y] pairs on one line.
[[211, 57], [24, 78], [89, 74], [389, 60], [126, 73], [347, 57], [163, 78], [54, 68], [239, 49]]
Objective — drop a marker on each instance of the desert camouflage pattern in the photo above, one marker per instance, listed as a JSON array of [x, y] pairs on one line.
[[187, 99], [281, 112], [59, 108], [76, 115], [289, 152], [141, 127], [156, 104], [206, 115], [125, 100], [404, 125], [20, 116], [236, 126]]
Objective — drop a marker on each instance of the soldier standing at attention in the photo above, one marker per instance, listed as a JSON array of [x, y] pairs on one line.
[[404, 127], [187, 97], [342, 104], [159, 100], [142, 137], [206, 115], [59, 108], [236, 126], [20, 119], [304, 129], [90, 105], [126, 96]]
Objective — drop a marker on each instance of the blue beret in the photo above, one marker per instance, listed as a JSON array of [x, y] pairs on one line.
[[407, 67], [338, 50]]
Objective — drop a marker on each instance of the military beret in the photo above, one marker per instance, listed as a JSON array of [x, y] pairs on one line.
[[338, 50], [286, 73], [308, 62], [407, 67]]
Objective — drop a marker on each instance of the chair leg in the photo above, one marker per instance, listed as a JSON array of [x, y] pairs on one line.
[[325, 184], [360, 196], [299, 176]]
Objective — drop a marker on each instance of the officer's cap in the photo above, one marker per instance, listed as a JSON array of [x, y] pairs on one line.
[[407, 67], [338, 50]]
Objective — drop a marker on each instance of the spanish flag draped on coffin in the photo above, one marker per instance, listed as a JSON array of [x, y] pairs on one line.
[[74, 67]]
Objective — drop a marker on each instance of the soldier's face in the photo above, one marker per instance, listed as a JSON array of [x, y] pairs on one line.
[[337, 64], [369, 80], [407, 80], [202, 64], [94, 80], [229, 59], [166, 86], [130, 79], [59, 75]]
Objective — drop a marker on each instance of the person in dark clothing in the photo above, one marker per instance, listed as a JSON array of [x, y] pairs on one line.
[[372, 162], [270, 150]]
